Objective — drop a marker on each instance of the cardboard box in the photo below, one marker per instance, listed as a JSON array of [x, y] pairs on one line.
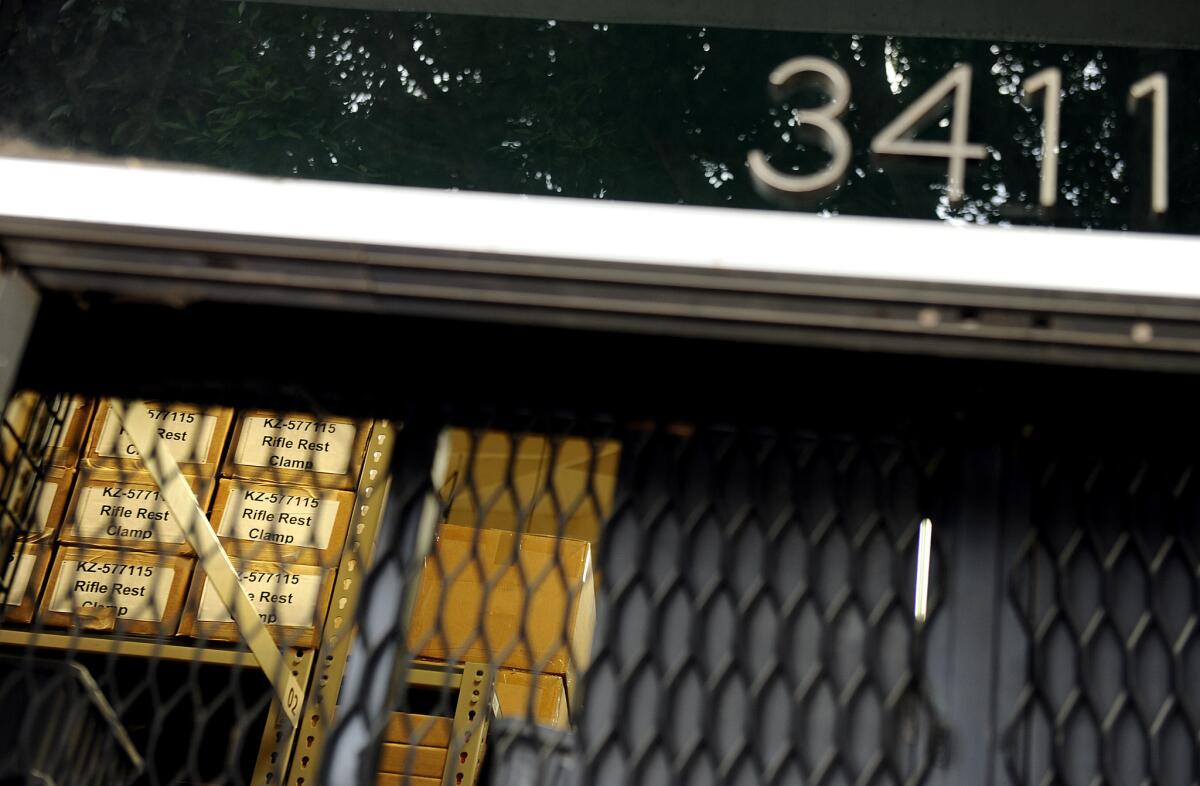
[[44, 513], [513, 689], [292, 448], [288, 525], [412, 729], [17, 483], [196, 437], [417, 761], [116, 591], [417, 742], [24, 574], [291, 599], [29, 414], [512, 479], [126, 511], [489, 613], [393, 779]]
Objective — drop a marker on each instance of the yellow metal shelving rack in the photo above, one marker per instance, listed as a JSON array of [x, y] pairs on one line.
[[284, 754]]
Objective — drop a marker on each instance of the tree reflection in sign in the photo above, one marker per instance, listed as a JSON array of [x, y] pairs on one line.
[[661, 114]]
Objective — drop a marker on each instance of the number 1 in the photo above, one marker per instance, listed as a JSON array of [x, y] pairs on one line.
[[1156, 83], [1050, 81]]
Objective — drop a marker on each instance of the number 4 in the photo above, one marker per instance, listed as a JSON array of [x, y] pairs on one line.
[[1155, 86], [899, 136]]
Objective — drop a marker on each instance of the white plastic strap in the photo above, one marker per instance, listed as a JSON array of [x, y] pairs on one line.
[[222, 577]]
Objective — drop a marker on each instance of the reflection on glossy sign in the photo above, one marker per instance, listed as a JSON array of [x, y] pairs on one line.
[[976, 131]]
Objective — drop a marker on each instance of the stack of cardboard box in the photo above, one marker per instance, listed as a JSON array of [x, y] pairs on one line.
[[523, 603], [283, 508], [34, 510], [414, 751], [508, 584], [281, 499], [125, 564]]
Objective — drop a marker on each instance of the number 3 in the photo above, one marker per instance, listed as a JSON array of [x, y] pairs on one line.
[[821, 124]]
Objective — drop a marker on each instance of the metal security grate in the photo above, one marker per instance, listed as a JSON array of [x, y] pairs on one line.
[[1105, 586], [121, 660], [754, 606], [480, 604], [756, 613], [553, 598]]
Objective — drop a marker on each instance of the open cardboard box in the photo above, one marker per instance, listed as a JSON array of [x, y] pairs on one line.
[[517, 601], [29, 415], [548, 701], [500, 481]]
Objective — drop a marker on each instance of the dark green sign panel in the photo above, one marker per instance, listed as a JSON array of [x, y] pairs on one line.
[[887, 126]]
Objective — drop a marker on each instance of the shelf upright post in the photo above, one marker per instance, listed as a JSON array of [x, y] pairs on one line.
[[279, 736], [474, 711], [329, 664]]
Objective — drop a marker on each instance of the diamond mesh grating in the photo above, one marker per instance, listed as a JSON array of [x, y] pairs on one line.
[[757, 614], [104, 581], [1105, 590], [660, 603]]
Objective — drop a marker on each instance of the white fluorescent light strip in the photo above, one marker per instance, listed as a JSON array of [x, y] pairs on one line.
[[1037, 258], [924, 547]]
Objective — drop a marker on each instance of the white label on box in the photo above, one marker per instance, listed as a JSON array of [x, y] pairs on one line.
[[188, 435], [17, 575], [305, 444], [281, 597], [68, 417], [41, 510], [22, 407], [137, 592], [127, 512], [287, 517]]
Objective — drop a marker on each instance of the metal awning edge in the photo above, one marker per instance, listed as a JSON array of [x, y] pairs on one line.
[[1023, 293]]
